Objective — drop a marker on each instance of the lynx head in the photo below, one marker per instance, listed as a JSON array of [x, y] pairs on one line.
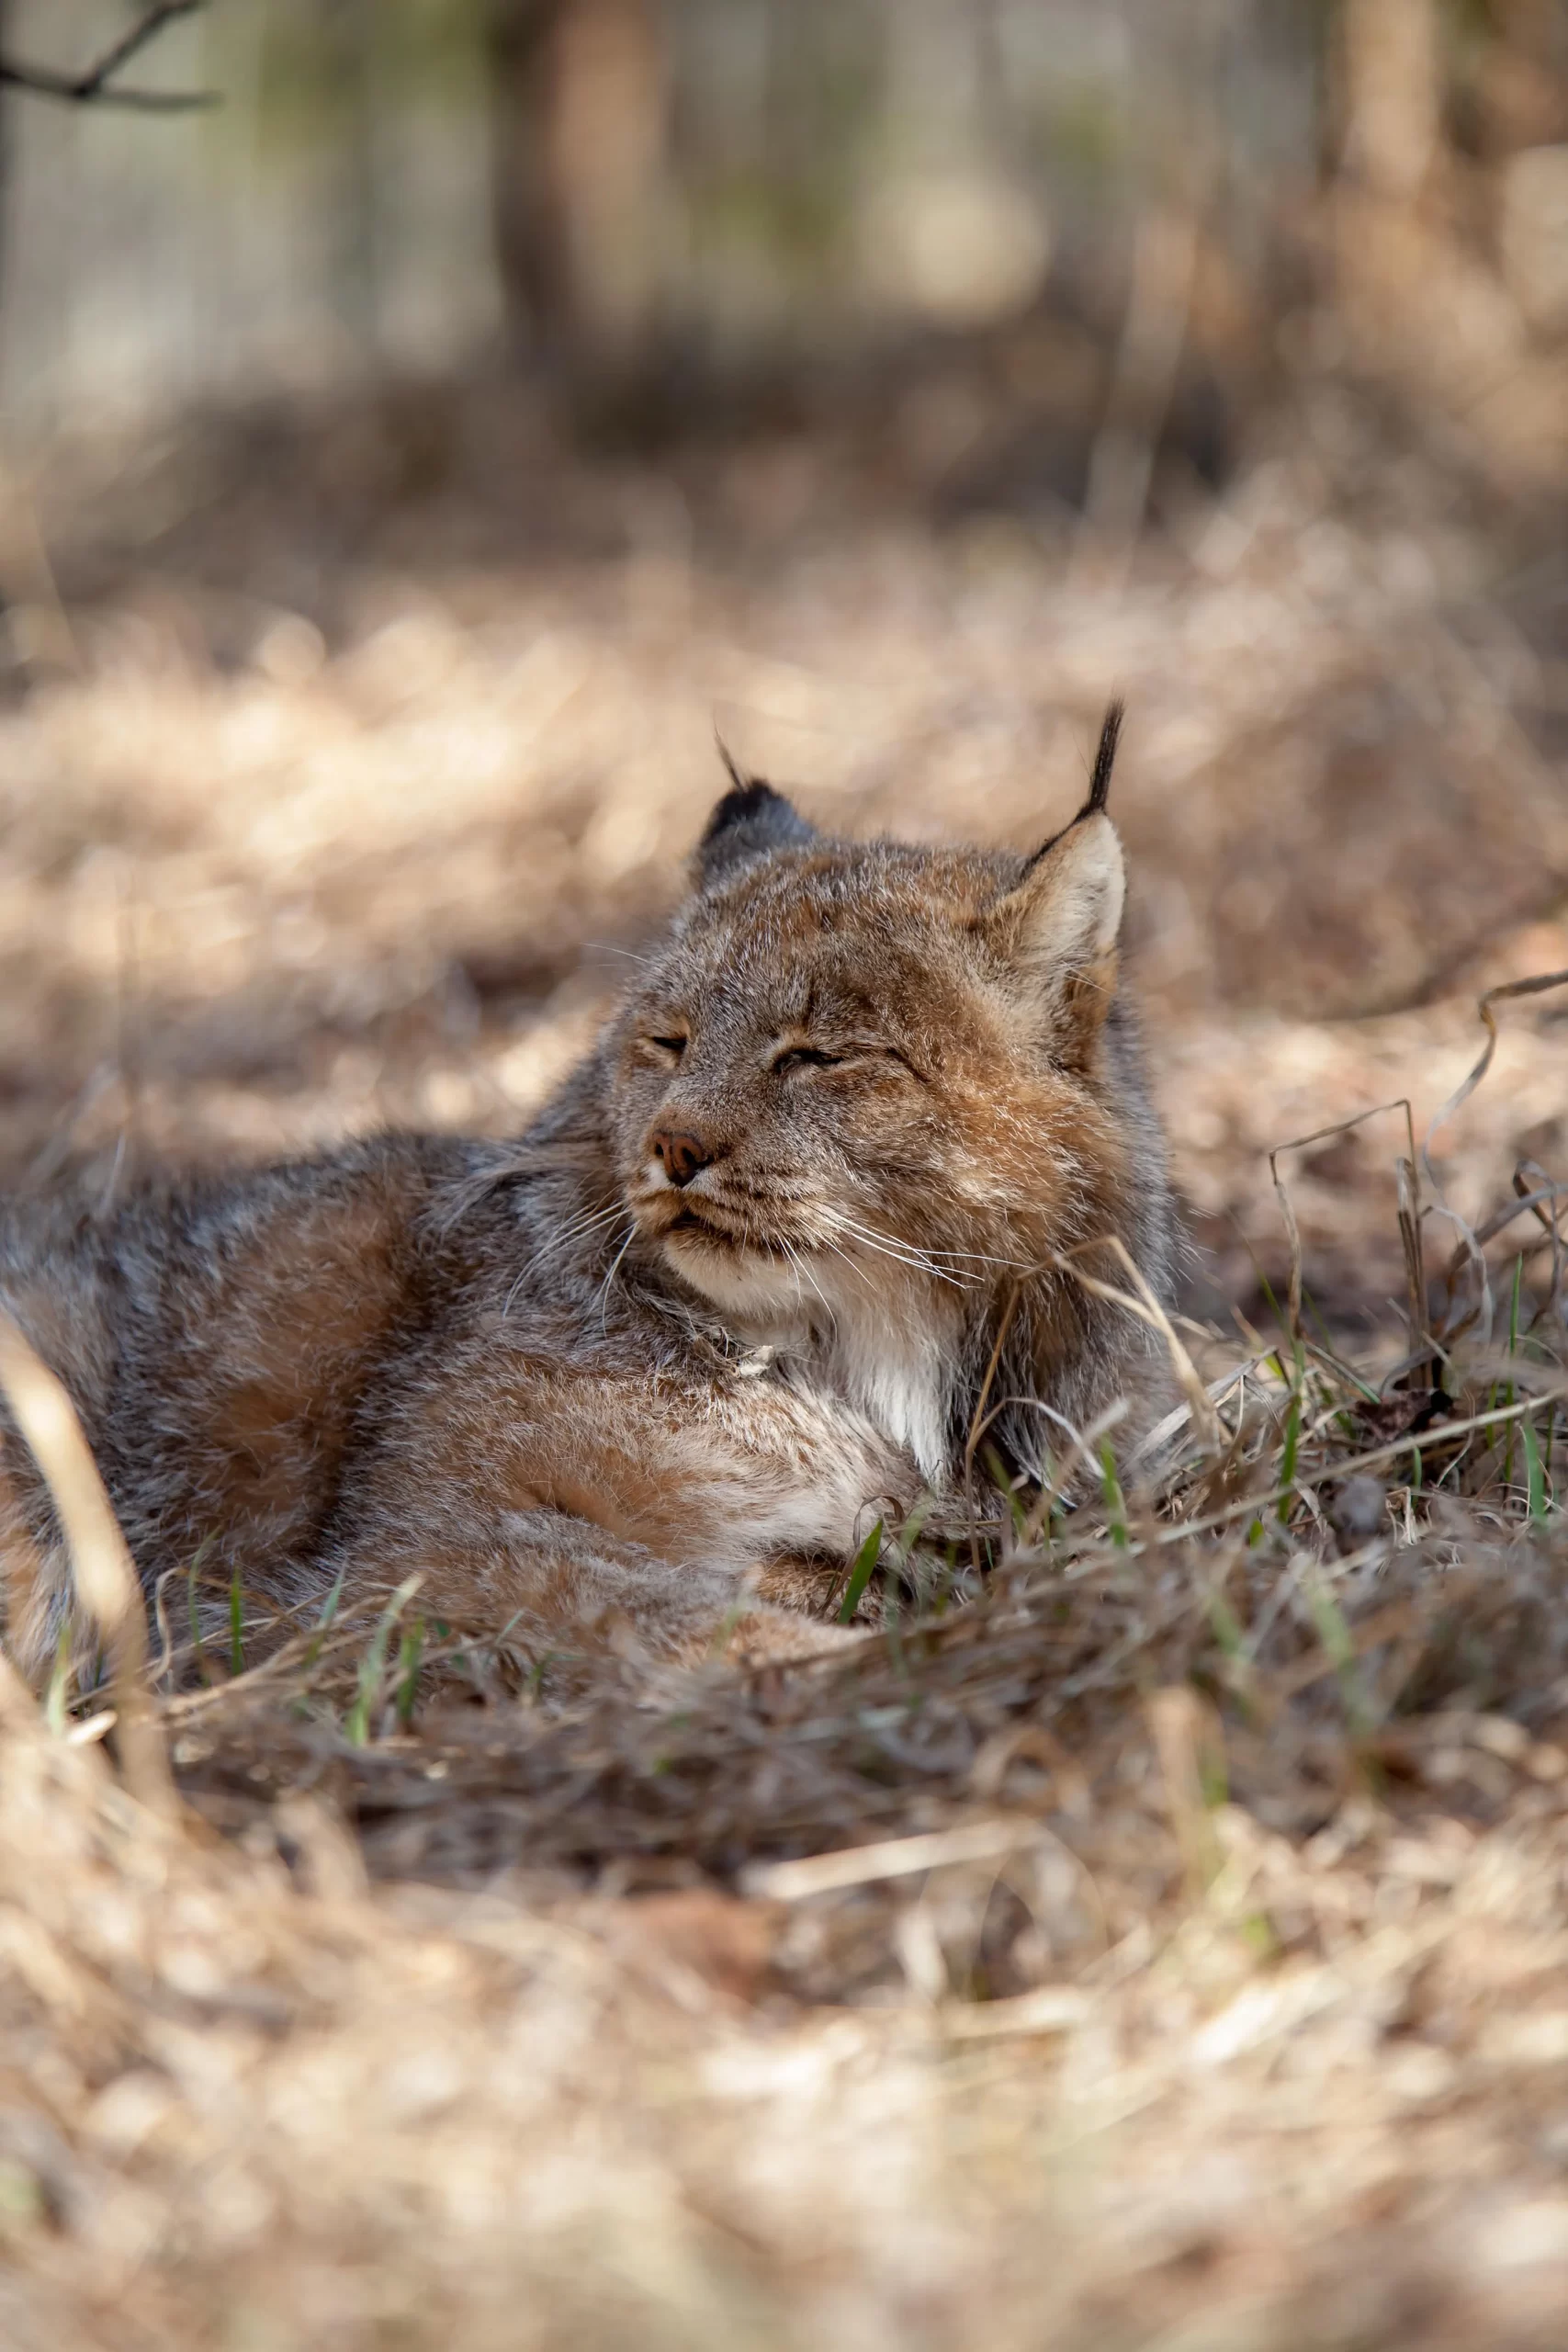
[[867, 1088]]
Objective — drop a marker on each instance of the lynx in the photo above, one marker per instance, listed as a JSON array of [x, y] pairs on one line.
[[651, 1373]]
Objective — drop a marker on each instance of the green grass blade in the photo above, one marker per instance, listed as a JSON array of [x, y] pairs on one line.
[[1288, 1456], [995, 1469], [329, 1610], [193, 1613], [860, 1574], [1226, 1627], [909, 1533], [1514, 1313], [1535, 1476], [410, 1651], [1115, 1500], [1513, 1349], [1334, 1633], [1267, 1287], [373, 1666]]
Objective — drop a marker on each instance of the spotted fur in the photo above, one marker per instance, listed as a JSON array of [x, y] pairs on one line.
[[656, 1367]]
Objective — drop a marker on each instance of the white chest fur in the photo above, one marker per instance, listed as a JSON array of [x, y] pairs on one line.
[[884, 1339], [902, 1379]]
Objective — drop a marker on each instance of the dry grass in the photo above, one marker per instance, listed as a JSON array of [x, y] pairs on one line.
[[1162, 1949]]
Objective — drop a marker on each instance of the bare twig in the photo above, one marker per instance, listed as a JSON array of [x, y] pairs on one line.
[[1410, 1211], [98, 86]]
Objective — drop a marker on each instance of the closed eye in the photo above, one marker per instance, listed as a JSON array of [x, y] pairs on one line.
[[805, 1058], [670, 1047]]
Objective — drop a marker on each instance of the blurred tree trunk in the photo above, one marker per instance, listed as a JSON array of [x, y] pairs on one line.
[[1522, 90], [580, 98], [348, 28], [1390, 95], [1431, 300]]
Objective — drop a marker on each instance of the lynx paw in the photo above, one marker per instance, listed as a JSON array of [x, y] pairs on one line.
[[778, 1637]]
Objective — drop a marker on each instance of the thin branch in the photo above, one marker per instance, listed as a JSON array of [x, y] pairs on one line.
[[98, 86]]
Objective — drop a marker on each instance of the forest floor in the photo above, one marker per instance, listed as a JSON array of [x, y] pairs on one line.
[[1165, 1951]]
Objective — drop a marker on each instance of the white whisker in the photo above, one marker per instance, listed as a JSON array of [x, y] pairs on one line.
[[801, 1268], [602, 1298], [608, 947], [903, 1254], [978, 1258], [575, 1229]]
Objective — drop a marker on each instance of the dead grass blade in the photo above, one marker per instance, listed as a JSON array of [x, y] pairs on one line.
[[978, 1424], [1187, 1742], [980, 1841], [1411, 1206], [1141, 1301], [1537, 984], [106, 1580]]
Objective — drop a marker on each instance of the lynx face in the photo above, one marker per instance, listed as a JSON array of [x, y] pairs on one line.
[[862, 1085]]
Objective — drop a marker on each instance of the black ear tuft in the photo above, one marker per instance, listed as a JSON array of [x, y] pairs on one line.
[[1100, 780], [752, 821], [1105, 758]]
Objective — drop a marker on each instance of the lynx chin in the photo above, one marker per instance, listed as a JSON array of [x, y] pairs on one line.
[[650, 1374]]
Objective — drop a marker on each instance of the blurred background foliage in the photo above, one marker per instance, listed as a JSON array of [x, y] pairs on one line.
[[635, 193]]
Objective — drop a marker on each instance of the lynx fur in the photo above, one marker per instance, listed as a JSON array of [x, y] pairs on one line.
[[651, 1373]]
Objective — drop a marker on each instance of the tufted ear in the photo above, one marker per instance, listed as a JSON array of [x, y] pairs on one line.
[[1058, 930], [752, 821]]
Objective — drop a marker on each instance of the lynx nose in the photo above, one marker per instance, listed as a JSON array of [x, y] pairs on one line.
[[679, 1153]]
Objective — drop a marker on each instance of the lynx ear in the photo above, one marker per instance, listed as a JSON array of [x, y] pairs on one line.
[[1057, 931], [749, 822]]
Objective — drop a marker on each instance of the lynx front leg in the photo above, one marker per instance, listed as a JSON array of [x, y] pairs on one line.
[[705, 1484], [555, 1583]]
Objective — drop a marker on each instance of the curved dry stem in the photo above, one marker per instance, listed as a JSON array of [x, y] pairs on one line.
[[1141, 1301], [107, 1584]]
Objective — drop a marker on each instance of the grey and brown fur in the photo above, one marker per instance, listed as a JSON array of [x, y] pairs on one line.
[[656, 1367]]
